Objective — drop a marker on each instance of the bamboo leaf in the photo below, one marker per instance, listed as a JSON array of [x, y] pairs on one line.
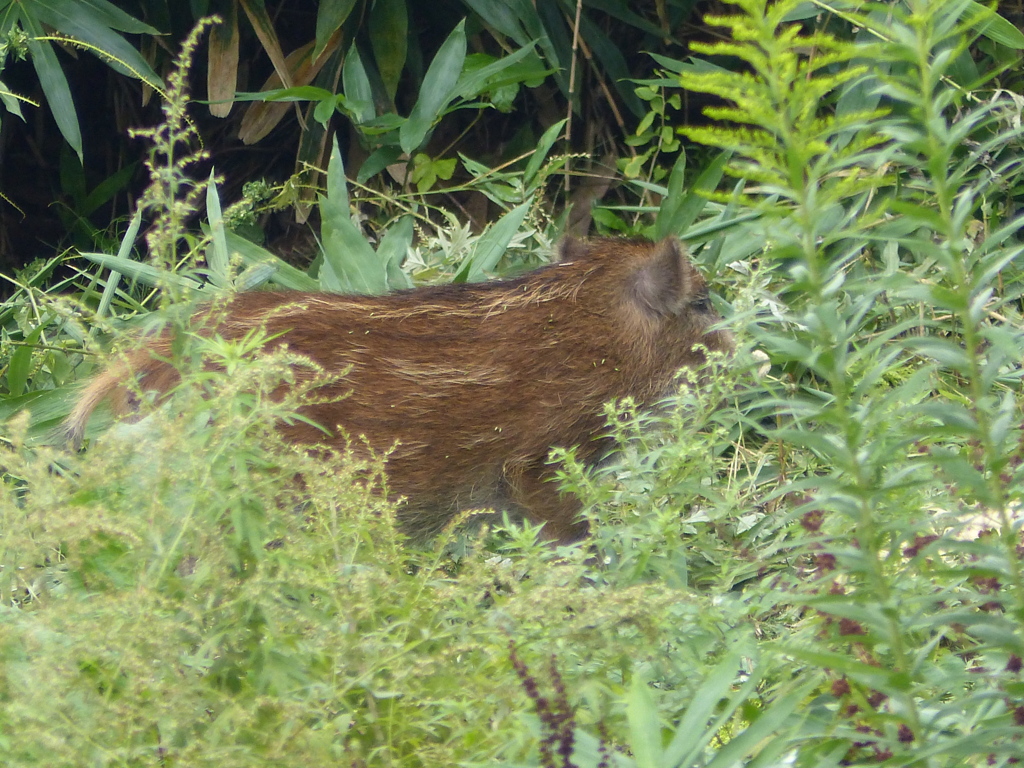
[[349, 262], [260, 119], [356, 86], [996, 28], [492, 246], [111, 16], [389, 38], [141, 272], [392, 250], [217, 252], [283, 273], [547, 139], [123, 253], [54, 84], [437, 90], [79, 20], [329, 17], [20, 364]]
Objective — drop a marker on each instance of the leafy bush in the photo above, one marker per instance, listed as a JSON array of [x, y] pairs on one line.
[[815, 565], [892, 431]]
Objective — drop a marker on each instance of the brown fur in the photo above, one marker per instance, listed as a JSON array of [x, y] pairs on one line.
[[477, 383]]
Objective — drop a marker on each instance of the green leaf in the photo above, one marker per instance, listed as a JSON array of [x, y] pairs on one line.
[[356, 86], [296, 93], [107, 189], [765, 731], [644, 728], [437, 90], [349, 264], [123, 253], [479, 80], [284, 274], [20, 364], [12, 104], [516, 19], [86, 21], [103, 12], [331, 14], [377, 162], [141, 272], [217, 252], [946, 353], [392, 250], [492, 246], [547, 139], [692, 732], [996, 28], [612, 62], [389, 38], [55, 86]]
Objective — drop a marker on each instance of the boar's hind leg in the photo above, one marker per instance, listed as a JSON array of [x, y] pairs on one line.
[[532, 487]]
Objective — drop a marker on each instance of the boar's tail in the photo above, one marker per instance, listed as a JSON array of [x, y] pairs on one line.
[[98, 390]]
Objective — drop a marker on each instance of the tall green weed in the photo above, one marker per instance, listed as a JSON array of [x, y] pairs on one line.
[[888, 434]]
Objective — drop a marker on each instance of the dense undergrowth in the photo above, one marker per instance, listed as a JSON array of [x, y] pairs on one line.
[[814, 565]]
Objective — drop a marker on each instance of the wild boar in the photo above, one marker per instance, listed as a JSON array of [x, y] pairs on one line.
[[474, 384]]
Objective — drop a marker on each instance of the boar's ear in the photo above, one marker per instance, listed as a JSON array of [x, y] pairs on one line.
[[662, 285]]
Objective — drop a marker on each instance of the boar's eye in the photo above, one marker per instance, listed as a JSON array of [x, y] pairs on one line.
[[701, 303]]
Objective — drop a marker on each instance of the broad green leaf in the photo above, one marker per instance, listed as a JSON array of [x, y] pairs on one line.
[[20, 364], [692, 732], [254, 276], [619, 10], [107, 189], [556, 42], [108, 14], [946, 352], [612, 62], [48, 408], [392, 250], [55, 85], [389, 38], [79, 21], [666, 220], [284, 274], [644, 728], [437, 90], [349, 264], [10, 102], [141, 272], [770, 726], [721, 224], [996, 28], [330, 15], [123, 253], [509, 17], [297, 93], [217, 252], [377, 162], [547, 139], [356, 86], [492, 246], [337, 185], [479, 80]]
